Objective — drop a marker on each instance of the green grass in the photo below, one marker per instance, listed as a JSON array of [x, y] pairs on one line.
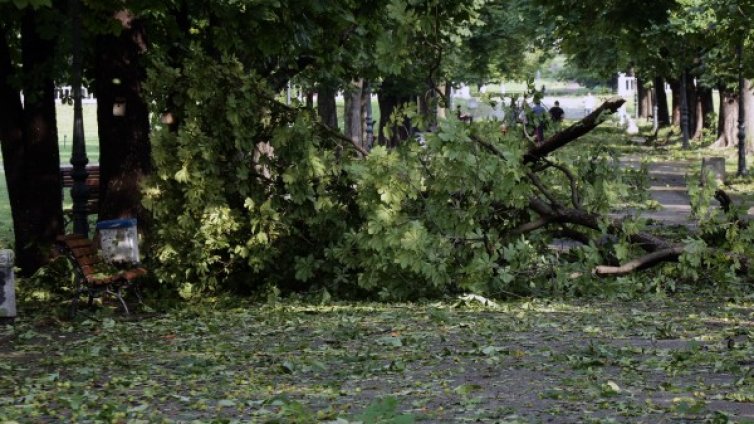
[[6, 223], [65, 132]]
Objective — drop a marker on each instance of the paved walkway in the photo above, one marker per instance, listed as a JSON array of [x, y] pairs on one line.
[[668, 188]]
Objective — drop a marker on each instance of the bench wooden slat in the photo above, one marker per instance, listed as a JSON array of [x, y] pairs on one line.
[[76, 243], [90, 260], [99, 280], [88, 270], [92, 184]]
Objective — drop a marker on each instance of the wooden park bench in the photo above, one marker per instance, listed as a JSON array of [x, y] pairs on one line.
[[93, 275], [92, 185]]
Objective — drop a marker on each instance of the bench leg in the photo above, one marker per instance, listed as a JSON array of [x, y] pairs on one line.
[[117, 294], [74, 305], [137, 292]]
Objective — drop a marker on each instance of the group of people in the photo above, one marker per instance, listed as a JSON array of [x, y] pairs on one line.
[[556, 115], [538, 112]]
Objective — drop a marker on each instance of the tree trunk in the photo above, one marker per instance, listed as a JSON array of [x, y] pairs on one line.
[[30, 146], [393, 93], [708, 107], [352, 111], [693, 106], [698, 112], [663, 117], [366, 100], [326, 107], [675, 87], [445, 107], [645, 99], [11, 135], [398, 132], [749, 114], [124, 140], [704, 111], [727, 123]]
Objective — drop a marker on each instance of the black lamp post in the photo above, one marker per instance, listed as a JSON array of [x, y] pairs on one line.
[[741, 114], [79, 192], [684, 110], [369, 122]]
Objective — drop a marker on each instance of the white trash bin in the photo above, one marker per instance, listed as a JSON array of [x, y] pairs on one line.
[[7, 286], [119, 241]]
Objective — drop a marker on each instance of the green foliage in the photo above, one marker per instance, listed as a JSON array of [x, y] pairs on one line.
[[430, 216], [251, 194], [384, 411], [242, 190], [281, 202], [719, 255]]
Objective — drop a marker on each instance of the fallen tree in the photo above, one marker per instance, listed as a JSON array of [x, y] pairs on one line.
[[470, 211]]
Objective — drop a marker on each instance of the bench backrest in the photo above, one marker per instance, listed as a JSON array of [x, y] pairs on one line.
[[81, 250], [92, 180], [92, 184]]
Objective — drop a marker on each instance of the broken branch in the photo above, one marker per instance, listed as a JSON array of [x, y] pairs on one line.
[[647, 261], [574, 131]]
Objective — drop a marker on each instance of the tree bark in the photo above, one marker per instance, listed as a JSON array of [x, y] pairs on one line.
[[662, 102], [124, 140], [11, 134], [749, 113], [698, 112], [352, 111], [694, 107], [675, 87], [645, 99], [366, 100], [30, 145], [326, 107], [708, 107], [648, 261], [393, 94], [727, 122]]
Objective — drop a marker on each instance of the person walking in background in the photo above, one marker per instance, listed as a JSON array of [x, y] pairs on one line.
[[556, 113], [589, 103], [540, 118]]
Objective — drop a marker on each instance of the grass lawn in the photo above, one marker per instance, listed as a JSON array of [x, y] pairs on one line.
[[685, 359]]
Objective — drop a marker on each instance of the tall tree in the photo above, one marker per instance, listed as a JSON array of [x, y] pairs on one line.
[[123, 117], [28, 130]]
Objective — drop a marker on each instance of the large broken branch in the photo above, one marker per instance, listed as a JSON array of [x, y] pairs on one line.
[[646, 241], [647, 261], [575, 198], [573, 132]]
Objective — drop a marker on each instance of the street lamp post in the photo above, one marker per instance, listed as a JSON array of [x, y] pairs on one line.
[[369, 122], [741, 114], [684, 111], [79, 192]]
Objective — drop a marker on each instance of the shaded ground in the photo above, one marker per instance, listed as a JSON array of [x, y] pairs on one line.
[[665, 361]]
